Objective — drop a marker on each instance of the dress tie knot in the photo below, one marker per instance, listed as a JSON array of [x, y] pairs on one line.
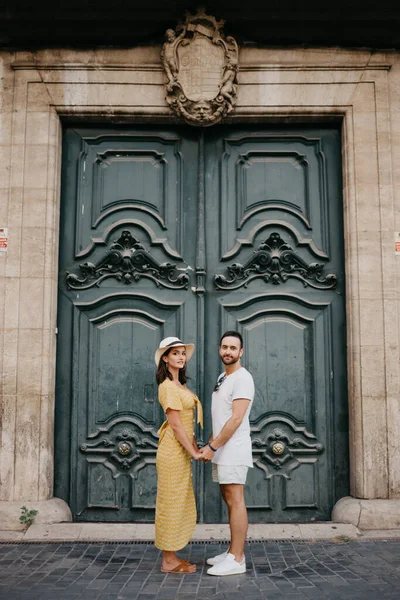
[[199, 412]]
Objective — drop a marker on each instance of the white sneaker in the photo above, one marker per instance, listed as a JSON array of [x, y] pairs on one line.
[[229, 566], [217, 559]]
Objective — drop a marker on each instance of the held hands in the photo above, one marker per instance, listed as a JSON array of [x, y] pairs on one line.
[[205, 454], [196, 455]]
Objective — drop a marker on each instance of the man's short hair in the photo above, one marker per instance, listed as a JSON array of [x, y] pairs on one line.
[[235, 334]]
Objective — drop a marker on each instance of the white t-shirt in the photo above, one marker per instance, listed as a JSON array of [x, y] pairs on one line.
[[237, 450]]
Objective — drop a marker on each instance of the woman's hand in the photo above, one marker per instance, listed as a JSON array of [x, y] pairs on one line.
[[197, 455], [206, 453]]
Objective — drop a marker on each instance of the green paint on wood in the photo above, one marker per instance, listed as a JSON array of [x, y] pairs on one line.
[[152, 220]]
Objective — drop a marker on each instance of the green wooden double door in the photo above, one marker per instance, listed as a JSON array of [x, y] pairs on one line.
[[175, 231]]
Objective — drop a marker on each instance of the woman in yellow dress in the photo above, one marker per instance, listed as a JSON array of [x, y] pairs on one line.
[[175, 504]]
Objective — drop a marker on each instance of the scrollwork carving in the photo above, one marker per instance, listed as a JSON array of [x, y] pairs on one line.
[[275, 262], [201, 66], [127, 260], [125, 434], [125, 447], [278, 447]]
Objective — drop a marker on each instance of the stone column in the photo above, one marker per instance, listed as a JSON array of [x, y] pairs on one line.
[[30, 164], [375, 408]]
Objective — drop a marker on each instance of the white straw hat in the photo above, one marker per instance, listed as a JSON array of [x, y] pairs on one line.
[[171, 342]]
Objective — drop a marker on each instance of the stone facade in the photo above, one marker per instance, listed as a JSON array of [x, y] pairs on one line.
[[360, 88]]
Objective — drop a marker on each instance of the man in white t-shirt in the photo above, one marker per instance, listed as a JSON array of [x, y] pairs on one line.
[[229, 448]]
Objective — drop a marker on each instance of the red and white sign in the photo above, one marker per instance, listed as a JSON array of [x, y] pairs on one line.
[[397, 243], [3, 239]]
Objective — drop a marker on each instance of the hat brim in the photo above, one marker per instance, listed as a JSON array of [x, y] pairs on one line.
[[160, 351]]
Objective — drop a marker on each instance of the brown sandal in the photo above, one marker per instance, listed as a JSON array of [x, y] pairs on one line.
[[183, 567], [189, 563]]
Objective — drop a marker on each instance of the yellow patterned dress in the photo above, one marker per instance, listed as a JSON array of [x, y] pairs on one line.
[[175, 505]]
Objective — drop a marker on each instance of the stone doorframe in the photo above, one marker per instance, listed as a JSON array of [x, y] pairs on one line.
[[128, 86]]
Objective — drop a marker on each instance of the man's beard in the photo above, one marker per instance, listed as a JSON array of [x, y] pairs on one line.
[[230, 361]]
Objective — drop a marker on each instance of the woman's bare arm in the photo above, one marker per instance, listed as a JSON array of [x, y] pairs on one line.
[[174, 420]]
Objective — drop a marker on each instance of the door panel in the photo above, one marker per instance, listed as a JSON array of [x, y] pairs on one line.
[[271, 178], [287, 354], [124, 286], [190, 233], [116, 411], [136, 176], [278, 278]]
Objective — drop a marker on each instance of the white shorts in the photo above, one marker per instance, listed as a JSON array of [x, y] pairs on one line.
[[229, 473]]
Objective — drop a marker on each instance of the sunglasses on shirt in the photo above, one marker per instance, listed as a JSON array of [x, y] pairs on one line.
[[219, 383]]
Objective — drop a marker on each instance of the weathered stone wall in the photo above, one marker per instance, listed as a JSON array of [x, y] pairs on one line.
[[38, 89]]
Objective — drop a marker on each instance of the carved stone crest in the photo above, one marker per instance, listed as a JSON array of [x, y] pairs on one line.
[[201, 66]]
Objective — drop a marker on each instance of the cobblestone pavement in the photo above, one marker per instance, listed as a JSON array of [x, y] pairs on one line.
[[356, 570]]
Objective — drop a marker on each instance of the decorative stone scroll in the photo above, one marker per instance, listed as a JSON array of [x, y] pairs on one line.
[[127, 260], [275, 261], [201, 66]]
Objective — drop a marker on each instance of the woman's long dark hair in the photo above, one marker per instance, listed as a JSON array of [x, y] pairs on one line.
[[163, 373]]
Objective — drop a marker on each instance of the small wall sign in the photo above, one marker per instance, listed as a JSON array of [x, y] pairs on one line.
[[397, 243], [3, 239]]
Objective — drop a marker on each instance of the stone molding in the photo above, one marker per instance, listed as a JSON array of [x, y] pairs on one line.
[[359, 88]]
